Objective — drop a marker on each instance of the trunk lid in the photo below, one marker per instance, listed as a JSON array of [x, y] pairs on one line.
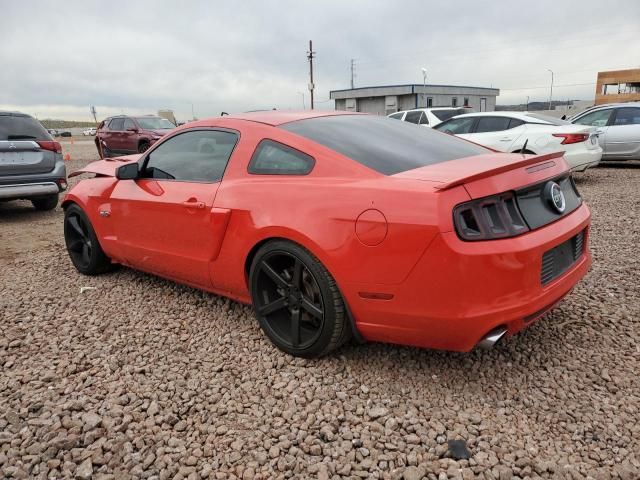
[[484, 175], [24, 157]]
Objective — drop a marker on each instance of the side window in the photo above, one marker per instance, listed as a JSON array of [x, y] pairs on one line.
[[193, 156], [116, 124], [413, 117], [423, 119], [397, 116], [273, 158], [456, 126], [492, 124], [128, 123], [514, 122], [627, 116], [595, 119]]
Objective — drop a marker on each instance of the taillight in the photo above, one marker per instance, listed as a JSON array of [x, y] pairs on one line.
[[51, 146], [489, 218], [568, 138]]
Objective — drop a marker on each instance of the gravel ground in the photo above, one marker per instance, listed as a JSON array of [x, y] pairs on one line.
[[142, 378]]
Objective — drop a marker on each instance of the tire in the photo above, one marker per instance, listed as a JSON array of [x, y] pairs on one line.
[[45, 203], [82, 243], [289, 288], [143, 146]]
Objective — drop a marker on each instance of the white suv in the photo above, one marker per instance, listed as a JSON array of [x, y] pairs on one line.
[[429, 117]]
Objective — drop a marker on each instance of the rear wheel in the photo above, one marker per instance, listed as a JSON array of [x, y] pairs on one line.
[[82, 243], [143, 146], [297, 301], [45, 203]]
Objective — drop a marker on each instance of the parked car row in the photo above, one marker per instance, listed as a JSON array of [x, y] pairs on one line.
[[606, 132]]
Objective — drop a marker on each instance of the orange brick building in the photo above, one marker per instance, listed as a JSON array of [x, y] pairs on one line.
[[618, 86]]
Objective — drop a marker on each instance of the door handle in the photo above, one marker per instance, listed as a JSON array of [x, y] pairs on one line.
[[505, 139], [193, 204]]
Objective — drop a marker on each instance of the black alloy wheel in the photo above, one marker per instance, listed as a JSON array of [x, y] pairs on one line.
[[297, 301], [82, 244]]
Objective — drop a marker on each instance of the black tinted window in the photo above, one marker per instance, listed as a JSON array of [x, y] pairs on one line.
[[273, 158], [492, 124], [21, 127], [514, 122], [456, 126], [195, 156], [413, 117], [116, 124], [397, 116], [447, 113], [383, 144], [627, 116]]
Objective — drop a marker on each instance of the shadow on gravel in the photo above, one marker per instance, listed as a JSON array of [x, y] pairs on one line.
[[23, 212], [628, 164]]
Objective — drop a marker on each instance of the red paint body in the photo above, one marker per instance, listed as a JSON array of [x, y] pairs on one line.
[[391, 236]]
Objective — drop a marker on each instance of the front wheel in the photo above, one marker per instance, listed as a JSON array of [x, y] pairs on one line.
[[82, 243], [297, 301], [143, 147]]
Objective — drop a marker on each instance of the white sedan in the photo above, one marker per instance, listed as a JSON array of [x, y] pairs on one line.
[[89, 131], [429, 117], [528, 133]]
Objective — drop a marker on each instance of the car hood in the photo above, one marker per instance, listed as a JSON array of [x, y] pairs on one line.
[[160, 132], [106, 167]]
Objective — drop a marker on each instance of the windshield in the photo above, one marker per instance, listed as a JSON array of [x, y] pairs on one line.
[[154, 123], [446, 114], [383, 144], [548, 119]]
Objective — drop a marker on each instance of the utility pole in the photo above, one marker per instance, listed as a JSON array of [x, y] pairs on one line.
[[353, 67], [310, 56], [551, 89], [526, 109]]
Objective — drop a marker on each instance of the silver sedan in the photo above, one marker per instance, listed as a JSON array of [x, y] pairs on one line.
[[618, 129]]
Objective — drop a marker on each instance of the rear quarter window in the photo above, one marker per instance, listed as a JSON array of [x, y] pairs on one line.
[[382, 144], [274, 158]]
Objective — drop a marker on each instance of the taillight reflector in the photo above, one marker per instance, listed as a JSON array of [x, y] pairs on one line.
[[568, 138], [51, 146]]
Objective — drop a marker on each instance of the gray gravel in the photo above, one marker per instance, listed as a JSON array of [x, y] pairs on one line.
[[143, 378]]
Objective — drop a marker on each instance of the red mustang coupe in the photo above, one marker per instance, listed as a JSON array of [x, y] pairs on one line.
[[335, 224]]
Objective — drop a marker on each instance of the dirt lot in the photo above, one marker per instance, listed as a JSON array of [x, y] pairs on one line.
[[143, 378]]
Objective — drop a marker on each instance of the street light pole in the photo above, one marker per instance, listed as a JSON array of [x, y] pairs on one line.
[[424, 85], [551, 88]]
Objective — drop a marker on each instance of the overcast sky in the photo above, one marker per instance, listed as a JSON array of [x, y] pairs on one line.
[[57, 58]]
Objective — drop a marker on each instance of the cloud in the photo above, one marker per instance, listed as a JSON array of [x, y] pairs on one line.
[[138, 57]]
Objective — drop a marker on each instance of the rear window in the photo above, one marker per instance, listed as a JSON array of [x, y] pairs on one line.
[[446, 114], [20, 127], [382, 144]]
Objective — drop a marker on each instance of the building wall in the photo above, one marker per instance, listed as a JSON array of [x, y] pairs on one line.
[[390, 99], [617, 77]]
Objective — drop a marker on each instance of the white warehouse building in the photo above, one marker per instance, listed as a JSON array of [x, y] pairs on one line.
[[392, 98]]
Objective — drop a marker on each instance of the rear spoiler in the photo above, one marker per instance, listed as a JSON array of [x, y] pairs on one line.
[[526, 160]]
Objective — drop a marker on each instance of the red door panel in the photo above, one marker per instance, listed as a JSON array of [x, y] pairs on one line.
[[167, 227]]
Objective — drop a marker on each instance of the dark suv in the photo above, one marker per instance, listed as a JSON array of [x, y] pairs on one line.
[[122, 135], [31, 164]]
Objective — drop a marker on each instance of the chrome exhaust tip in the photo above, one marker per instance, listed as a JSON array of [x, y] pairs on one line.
[[491, 338]]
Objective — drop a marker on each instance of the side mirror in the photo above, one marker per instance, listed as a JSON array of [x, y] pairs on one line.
[[130, 171]]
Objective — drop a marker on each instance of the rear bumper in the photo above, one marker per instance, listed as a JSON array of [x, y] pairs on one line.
[[16, 187], [460, 291], [583, 159], [29, 190]]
